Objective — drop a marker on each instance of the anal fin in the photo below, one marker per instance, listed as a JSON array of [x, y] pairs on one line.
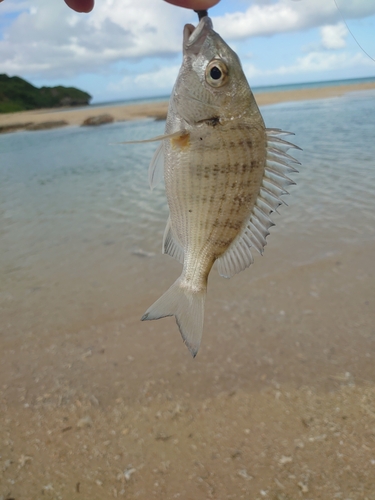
[[171, 245], [237, 258]]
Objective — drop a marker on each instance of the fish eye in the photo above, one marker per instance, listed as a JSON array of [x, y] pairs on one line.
[[216, 73]]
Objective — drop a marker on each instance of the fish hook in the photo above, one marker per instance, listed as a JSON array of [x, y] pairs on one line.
[[201, 13]]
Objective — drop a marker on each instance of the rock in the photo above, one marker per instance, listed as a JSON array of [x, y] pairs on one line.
[[93, 400], [84, 422], [7, 464], [160, 117], [47, 125], [244, 474], [13, 128], [129, 472], [142, 253], [98, 120], [304, 487], [23, 460], [73, 101]]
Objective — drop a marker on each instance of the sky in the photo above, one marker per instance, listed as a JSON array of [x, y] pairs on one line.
[[126, 49]]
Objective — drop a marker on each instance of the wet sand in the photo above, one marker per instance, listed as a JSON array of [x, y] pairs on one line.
[[158, 110], [279, 403]]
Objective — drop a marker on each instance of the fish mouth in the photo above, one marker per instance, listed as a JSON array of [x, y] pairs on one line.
[[195, 36]]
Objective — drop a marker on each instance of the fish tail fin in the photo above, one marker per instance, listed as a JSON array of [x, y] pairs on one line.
[[188, 308]]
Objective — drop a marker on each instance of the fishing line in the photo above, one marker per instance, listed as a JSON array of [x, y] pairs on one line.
[[347, 27]]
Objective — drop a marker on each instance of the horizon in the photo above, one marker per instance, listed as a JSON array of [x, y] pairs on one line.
[[311, 84], [255, 89]]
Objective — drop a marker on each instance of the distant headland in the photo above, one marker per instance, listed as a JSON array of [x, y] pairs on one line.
[[16, 94]]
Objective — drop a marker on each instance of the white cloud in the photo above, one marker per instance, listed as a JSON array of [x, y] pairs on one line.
[[257, 20], [333, 36], [160, 79], [48, 39], [266, 19], [331, 61], [316, 62], [11, 7]]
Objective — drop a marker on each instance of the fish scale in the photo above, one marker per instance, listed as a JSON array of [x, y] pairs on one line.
[[197, 175], [224, 174]]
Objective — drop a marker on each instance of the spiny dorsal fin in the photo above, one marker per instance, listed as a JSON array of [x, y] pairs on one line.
[[238, 256]]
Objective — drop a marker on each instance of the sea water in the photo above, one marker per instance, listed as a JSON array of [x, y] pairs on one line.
[[80, 229]]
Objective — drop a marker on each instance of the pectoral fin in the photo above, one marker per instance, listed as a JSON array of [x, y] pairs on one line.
[[174, 135], [156, 168]]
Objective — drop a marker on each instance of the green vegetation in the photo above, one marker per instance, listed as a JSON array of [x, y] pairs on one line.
[[17, 94]]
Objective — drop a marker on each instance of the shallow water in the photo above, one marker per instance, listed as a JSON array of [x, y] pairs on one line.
[[75, 206]]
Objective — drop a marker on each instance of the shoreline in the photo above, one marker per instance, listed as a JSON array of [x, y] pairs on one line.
[[53, 118]]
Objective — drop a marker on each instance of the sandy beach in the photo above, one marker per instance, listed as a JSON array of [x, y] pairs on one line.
[[158, 110], [280, 400], [279, 404]]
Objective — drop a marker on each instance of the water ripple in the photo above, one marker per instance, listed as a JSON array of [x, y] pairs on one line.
[[73, 187]]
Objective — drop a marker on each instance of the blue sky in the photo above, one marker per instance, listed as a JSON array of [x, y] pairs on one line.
[[132, 48]]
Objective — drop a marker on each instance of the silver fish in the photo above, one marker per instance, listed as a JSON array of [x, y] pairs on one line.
[[224, 174]]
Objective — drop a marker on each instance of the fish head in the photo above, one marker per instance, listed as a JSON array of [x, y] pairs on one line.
[[211, 84]]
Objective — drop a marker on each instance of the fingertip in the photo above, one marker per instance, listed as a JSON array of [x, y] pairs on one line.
[[194, 4], [80, 5]]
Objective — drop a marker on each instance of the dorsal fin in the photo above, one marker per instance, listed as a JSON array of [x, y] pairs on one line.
[[255, 231]]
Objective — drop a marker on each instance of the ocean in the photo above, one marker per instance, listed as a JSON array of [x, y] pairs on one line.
[[81, 232], [256, 90]]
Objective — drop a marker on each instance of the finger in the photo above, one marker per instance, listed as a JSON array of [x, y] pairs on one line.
[[194, 4], [80, 5]]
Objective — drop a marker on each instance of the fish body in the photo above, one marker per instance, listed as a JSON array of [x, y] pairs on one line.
[[223, 171]]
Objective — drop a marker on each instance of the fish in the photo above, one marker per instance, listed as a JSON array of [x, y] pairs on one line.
[[224, 174]]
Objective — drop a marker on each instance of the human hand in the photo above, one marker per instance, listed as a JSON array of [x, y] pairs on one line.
[[88, 5]]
